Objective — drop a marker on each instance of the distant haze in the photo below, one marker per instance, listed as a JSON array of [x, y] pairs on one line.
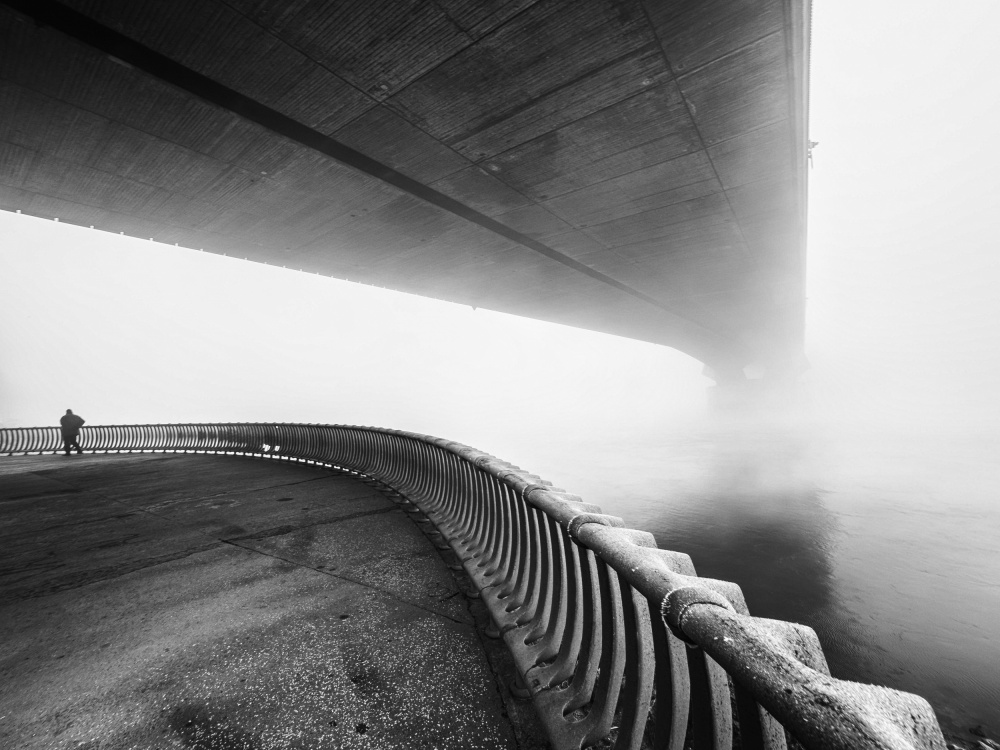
[[904, 249], [124, 330]]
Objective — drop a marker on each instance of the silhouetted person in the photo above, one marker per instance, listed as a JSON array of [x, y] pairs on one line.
[[71, 425]]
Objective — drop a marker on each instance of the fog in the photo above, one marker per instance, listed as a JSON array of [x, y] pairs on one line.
[[124, 330], [903, 317], [870, 509]]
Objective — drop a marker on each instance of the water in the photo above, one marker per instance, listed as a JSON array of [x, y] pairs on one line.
[[888, 546]]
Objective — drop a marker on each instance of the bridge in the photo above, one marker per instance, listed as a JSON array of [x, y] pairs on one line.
[[625, 166]]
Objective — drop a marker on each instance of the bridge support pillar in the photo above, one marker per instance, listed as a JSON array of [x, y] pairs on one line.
[[755, 391]]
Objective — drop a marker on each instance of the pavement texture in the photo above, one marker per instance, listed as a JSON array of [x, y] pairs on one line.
[[222, 602]]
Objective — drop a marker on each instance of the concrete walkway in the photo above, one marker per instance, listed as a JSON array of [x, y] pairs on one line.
[[171, 601]]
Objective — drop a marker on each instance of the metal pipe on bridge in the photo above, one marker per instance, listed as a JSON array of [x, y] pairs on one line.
[[617, 643]]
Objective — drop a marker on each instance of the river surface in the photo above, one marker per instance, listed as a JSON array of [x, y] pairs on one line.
[[888, 546]]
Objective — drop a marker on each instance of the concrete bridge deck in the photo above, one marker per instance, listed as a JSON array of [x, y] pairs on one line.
[[172, 601]]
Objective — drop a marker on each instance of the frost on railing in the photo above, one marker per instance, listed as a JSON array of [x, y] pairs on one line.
[[618, 644]]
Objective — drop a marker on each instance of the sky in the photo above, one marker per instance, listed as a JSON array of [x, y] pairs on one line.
[[903, 314], [123, 330], [903, 256]]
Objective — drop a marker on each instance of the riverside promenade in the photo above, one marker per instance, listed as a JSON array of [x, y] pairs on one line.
[[181, 601]]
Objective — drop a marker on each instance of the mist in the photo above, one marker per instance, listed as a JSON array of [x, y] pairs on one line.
[[863, 502], [125, 330]]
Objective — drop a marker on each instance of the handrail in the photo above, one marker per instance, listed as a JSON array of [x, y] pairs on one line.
[[616, 642]]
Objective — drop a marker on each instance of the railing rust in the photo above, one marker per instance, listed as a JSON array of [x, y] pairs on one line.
[[618, 643]]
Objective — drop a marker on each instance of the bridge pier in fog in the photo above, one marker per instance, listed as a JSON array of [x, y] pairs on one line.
[[760, 387], [758, 398]]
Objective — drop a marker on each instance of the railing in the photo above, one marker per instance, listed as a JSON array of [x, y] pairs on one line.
[[618, 643]]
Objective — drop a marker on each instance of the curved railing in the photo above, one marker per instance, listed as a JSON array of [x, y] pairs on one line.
[[618, 643]]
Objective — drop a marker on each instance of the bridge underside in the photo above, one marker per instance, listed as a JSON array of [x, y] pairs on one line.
[[627, 166]]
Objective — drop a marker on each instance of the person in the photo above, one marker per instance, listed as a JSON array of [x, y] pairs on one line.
[[71, 425]]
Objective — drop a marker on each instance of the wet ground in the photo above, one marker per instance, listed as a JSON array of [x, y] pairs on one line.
[[169, 601]]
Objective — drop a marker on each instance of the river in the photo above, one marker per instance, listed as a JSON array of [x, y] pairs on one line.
[[887, 545]]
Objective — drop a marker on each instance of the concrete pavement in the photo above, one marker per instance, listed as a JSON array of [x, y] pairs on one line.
[[172, 601]]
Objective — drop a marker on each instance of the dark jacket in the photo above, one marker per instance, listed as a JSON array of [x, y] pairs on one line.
[[71, 424]]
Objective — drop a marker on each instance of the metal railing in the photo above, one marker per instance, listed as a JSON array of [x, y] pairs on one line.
[[618, 643]]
